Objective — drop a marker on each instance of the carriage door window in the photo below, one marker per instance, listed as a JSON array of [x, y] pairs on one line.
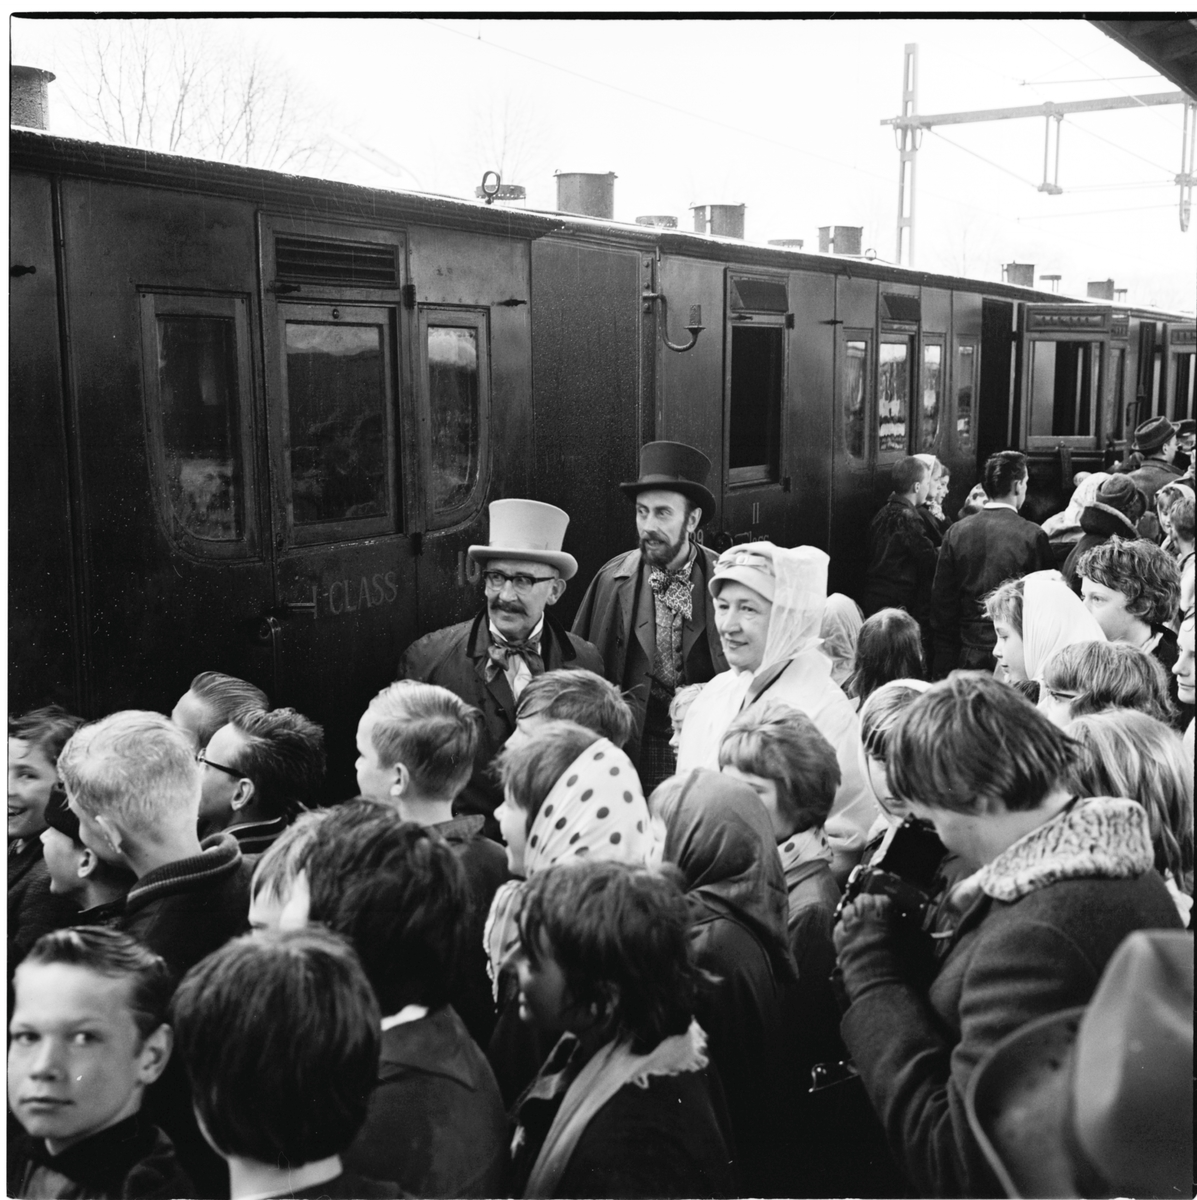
[[756, 378], [931, 391], [1065, 384], [1180, 370], [338, 369], [854, 394], [966, 390], [893, 395], [1118, 394], [197, 376], [456, 381]]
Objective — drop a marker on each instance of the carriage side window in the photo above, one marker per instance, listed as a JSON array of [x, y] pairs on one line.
[[338, 394], [893, 396], [1182, 385], [756, 395], [197, 379], [1118, 394], [1065, 383], [931, 389], [854, 394], [966, 390], [456, 391]]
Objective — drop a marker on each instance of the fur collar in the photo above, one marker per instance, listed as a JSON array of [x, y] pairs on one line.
[[1099, 838], [1106, 520]]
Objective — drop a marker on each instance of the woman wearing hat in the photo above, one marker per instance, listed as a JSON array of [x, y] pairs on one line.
[[1114, 510], [769, 603]]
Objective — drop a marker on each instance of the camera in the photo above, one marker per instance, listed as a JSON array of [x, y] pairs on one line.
[[905, 869]]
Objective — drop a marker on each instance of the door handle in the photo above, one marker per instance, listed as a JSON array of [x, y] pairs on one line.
[[264, 629]]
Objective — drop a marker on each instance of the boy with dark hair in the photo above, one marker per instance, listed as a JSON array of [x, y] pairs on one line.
[[88, 1035], [1058, 881], [398, 893], [258, 773], [625, 1104], [416, 746], [211, 701], [573, 694], [35, 742], [78, 873], [977, 554], [279, 1035]]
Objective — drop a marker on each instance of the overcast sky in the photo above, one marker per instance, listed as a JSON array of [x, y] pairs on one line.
[[781, 115]]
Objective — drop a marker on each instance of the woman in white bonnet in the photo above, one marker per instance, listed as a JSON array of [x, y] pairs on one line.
[[769, 604]]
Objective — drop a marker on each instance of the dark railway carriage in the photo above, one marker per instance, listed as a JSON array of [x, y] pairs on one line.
[[255, 420]]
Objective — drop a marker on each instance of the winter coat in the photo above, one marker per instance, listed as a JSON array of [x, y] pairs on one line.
[[901, 561], [456, 658], [618, 616], [1152, 475], [978, 554], [1037, 926]]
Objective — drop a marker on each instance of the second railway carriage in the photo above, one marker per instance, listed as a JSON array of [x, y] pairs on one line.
[[255, 420]]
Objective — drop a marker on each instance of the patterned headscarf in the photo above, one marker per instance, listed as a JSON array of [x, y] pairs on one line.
[[720, 838], [595, 811]]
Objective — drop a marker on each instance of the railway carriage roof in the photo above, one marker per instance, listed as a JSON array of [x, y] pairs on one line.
[[37, 150]]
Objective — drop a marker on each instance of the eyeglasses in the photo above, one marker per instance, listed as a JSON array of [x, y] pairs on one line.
[[201, 757], [523, 584]]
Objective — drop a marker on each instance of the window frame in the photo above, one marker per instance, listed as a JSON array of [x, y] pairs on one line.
[[235, 307], [453, 316], [1090, 441], [346, 529], [973, 342], [909, 339], [926, 341], [861, 462]]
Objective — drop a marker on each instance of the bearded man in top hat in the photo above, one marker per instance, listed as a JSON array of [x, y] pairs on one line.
[[489, 659], [649, 611], [1159, 441]]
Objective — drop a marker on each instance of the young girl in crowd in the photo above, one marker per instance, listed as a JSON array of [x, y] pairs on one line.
[[878, 716], [625, 1104], [890, 646], [35, 741], [1034, 617], [931, 510], [1131, 754], [1090, 677], [719, 836], [569, 795]]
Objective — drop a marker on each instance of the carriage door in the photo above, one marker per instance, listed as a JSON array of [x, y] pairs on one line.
[[1182, 349], [1063, 383], [345, 587]]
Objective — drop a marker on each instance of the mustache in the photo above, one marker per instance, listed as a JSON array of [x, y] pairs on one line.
[[508, 606]]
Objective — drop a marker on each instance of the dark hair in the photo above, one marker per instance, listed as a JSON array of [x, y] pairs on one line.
[[530, 770], [581, 696], [280, 1036], [284, 757], [222, 697], [889, 646], [780, 743], [1002, 472], [430, 730], [398, 893], [1143, 572], [49, 729], [1101, 675], [970, 740], [908, 473], [117, 956], [621, 936]]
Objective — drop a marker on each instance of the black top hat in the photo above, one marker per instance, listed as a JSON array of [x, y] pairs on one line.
[[674, 467]]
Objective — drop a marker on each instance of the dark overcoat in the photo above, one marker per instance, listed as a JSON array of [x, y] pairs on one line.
[[456, 658], [617, 614]]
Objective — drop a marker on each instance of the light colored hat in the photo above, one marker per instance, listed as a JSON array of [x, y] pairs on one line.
[[530, 530], [750, 564]]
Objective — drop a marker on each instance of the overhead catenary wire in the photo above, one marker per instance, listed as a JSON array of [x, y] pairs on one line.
[[1096, 212]]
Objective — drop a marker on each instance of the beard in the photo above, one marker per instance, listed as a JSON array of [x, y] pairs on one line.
[[659, 551]]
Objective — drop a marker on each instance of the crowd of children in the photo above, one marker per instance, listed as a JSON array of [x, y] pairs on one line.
[[781, 973]]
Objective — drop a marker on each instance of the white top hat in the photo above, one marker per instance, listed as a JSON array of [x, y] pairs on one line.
[[530, 530]]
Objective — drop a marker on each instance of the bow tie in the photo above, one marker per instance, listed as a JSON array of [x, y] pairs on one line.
[[500, 653], [672, 588]]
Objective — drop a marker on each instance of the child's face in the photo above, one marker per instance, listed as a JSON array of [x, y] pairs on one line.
[[677, 714], [63, 860], [76, 1063], [766, 789], [879, 782], [374, 781], [31, 775], [513, 825], [545, 998]]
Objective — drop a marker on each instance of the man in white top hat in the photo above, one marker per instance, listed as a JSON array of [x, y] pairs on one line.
[[489, 659]]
